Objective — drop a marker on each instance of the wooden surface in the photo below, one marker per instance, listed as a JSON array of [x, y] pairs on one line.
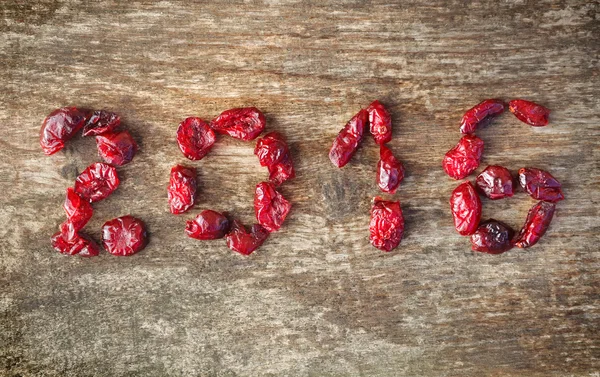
[[316, 299]]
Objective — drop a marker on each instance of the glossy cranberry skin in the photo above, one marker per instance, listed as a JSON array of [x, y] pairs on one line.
[[59, 126], [244, 123], [390, 171], [195, 138], [79, 211], [124, 235], [495, 182], [538, 221], [79, 244], [97, 182], [463, 159], [492, 237], [529, 112], [116, 148], [270, 149], [380, 123], [182, 189], [270, 206], [208, 225], [244, 242], [282, 171], [346, 142], [100, 122], [465, 206], [540, 184], [387, 224], [481, 114]]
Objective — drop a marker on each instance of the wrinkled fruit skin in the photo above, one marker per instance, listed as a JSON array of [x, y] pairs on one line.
[[540, 184], [387, 224], [124, 235], [195, 138], [492, 237], [466, 208], [79, 211], [380, 122], [100, 122], [116, 148], [244, 124], [538, 221], [481, 114], [80, 244], [390, 172], [97, 182], [208, 225], [270, 206], [495, 182], [59, 126], [281, 171], [244, 242], [182, 189], [463, 159], [347, 141], [272, 151], [529, 112]]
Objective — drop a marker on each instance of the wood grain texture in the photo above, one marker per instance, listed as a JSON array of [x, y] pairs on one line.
[[316, 299]]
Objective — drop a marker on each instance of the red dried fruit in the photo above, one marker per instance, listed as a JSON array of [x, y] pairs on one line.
[[390, 172], [59, 126], [79, 211], [79, 244], [380, 122], [195, 138], [481, 114], [346, 142], [463, 159], [97, 182], [282, 171], [244, 242], [208, 225], [529, 112], [493, 237], [124, 235], [182, 189], [540, 184], [100, 122], [466, 208], [270, 149], [495, 182], [538, 221], [270, 206], [116, 148], [244, 124], [387, 224]]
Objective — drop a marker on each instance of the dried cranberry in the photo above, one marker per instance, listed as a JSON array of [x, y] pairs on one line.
[[466, 208], [387, 224], [79, 211], [244, 242], [79, 244], [463, 159], [124, 235], [195, 138], [540, 184], [538, 221], [390, 172], [182, 189], [100, 122], [282, 171], [270, 206], [495, 182], [116, 148], [481, 114], [244, 124], [493, 237], [208, 225], [346, 142], [380, 122], [270, 149], [97, 181], [529, 112], [60, 126]]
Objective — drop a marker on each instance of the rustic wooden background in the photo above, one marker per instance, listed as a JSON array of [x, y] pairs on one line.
[[316, 299]]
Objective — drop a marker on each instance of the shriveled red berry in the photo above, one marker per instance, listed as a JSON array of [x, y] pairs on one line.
[[208, 225], [466, 208], [270, 149], [116, 148], [124, 235], [346, 142], [59, 126], [495, 182], [182, 189], [244, 242], [387, 224], [282, 171], [390, 171], [244, 124], [380, 123], [529, 112], [538, 221], [492, 237], [97, 182], [195, 138], [100, 122], [463, 159], [481, 114], [79, 244], [270, 206], [79, 211], [540, 184]]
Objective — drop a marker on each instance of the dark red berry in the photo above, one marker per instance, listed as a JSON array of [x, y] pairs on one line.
[[97, 181], [124, 235], [529, 112], [195, 138], [346, 142], [244, 242], [116, 148], [538, 221], [466, 208], [540, 184], [244, 124], [100, 122], [495, 182], [282, 171], [270, 149], [79, 211], [390, 172], [463, 159], [387, 224], [481, 114], [182, 189], [380, 123], [270, 206], [492, 237], [79, 244], [208, 225], [60, 126]]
